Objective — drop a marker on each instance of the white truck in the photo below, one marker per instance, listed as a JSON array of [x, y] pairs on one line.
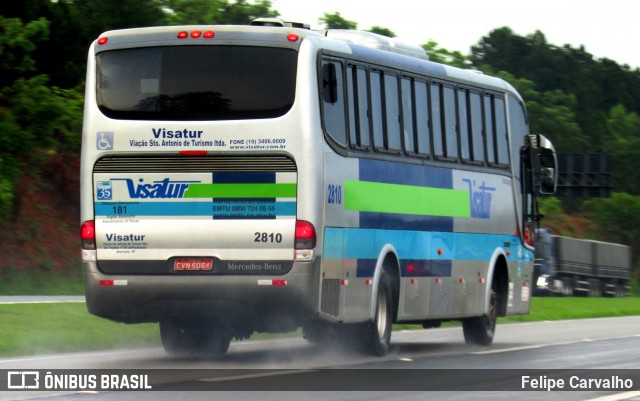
[[569, 266]]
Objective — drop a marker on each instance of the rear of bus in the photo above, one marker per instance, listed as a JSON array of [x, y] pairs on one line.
[[195, 209]]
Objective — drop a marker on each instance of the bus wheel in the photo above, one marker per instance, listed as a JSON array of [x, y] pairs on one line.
[[480, 330], [190, 339], [377, 333]]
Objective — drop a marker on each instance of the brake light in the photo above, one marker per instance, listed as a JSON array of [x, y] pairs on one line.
[[103, 40], [88, 235], [292, 37], [196, 34], [305, 235]]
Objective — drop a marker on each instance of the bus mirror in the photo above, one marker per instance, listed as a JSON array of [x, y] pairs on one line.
[[329, 83], [547, 164]]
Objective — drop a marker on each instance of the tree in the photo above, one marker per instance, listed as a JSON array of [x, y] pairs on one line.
[[444, 56], [618, 218], [336, 21], [622, 142], [382, 31], [595, 85], [209, 12], [35, 118]]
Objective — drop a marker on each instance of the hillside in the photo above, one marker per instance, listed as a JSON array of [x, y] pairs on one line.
[[44, 230]]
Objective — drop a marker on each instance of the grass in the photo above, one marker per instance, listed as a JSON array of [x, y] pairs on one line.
[[42, 281], [29, 329], [556, 308]]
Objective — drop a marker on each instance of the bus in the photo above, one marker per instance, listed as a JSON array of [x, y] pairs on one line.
[[266, 178]]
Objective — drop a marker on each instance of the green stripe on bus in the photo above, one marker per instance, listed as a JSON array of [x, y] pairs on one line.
[[365, 196], [241, 191]]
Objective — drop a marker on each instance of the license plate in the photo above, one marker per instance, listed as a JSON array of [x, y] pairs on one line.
[[193, 264]]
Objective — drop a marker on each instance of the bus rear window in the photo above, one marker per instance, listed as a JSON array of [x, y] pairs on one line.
[[196, 82]]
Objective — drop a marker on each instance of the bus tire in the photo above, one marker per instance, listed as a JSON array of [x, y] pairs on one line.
[[191, 339], [480, 330], [377, 333]]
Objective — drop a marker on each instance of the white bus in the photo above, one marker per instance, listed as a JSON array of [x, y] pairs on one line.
[[241, 179]]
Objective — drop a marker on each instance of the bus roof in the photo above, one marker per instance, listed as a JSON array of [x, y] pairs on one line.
[[375, 48]]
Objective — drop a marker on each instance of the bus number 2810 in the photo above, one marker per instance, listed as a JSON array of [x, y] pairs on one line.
[[334, 194], [267, 237]]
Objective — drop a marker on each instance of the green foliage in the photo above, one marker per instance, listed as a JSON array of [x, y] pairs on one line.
[[45, 280], [31, 329], [382, 31], [578, 90], [6, 196], [36, 117], [618, 218], [622, 142], [209, 12], [440, 55], [336, 21], [17, 42]]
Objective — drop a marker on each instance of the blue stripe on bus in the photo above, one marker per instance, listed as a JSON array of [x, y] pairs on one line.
[[417, 248], [244, 178], [193, 209], [405, 174]]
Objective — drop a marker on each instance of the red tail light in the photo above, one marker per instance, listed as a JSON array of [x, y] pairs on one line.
[[195, 34], [88, 235], [305, 235]]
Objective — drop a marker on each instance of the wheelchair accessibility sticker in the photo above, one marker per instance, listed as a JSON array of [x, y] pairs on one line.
[[105, 141]]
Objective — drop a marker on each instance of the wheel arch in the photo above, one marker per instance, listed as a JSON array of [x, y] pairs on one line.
[[387, 261], [498, 280]]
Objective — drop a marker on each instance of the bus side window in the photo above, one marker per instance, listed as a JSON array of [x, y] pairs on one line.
[[422, 118], [450, 132], [376, 108], [329, 83], [333, 102], [407, 116], [463, 124], [489, 129], [501, 132], [436, 120], [392, 112], [476, 127]]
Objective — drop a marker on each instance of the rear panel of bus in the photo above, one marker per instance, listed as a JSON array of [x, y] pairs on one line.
[[190, 175]]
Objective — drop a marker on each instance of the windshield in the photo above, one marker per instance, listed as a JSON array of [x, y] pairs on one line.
[[196, 82]]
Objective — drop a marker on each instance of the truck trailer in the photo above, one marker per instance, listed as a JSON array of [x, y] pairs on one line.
[[577, 267]]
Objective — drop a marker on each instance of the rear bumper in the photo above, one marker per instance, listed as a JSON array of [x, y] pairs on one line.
[[151, 298]]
